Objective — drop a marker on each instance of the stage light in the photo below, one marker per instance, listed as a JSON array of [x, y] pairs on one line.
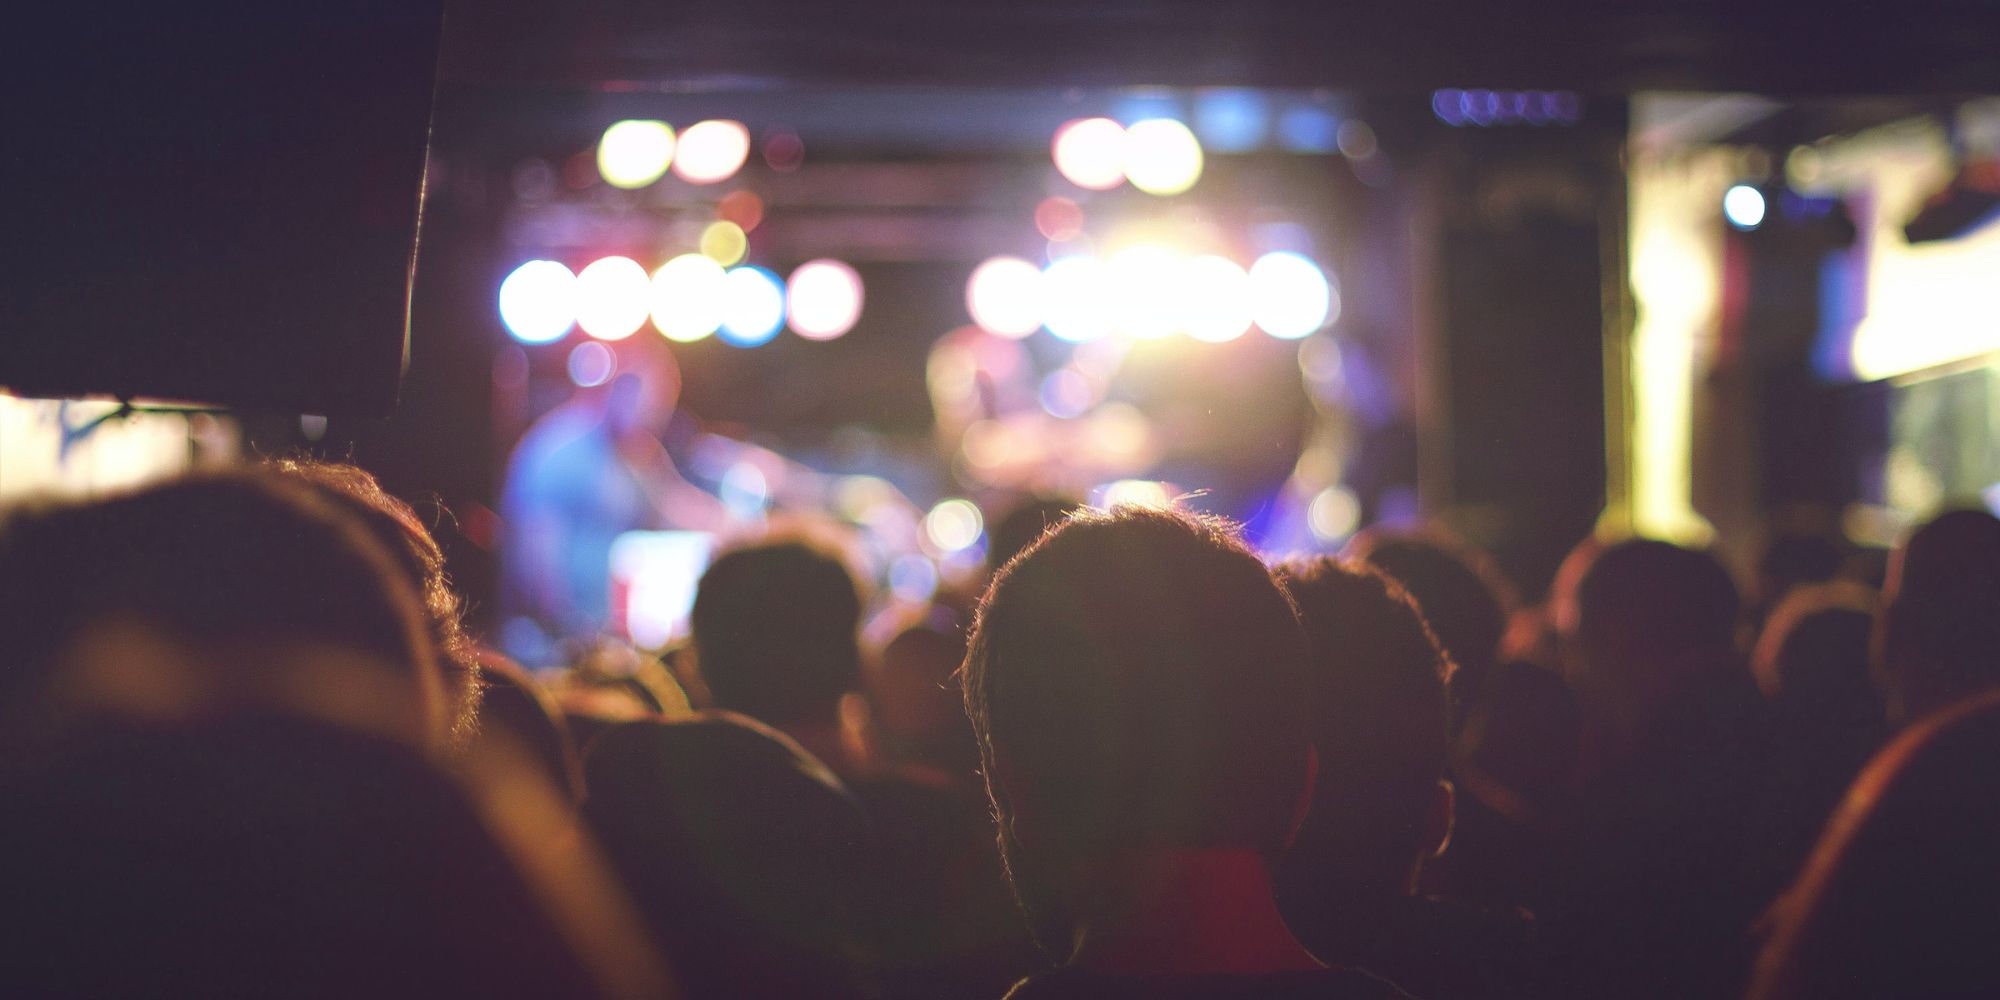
[[824, 299], [1743, 205], [1004, 296], [913, 578], [1216, 296], [1136, 493], [741, 207], [744, 490], [1090, 152], [953, 525], [1066, 394], [1058, 219], [711, 151], [611, 298], [591, 364], [1304, 128], [724, 243], [1161, 156], [687, 297], [1289, 295], [753, 306], [538, 302], [634, 153], [1333, 514], [1232, 119], [1145, 290], [1076, 305]]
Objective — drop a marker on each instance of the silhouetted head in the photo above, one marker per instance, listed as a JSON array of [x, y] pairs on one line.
[[207, 592], [396, 527], [1459, 591], [775, 631], [1812, 658], [1938, 635], [917, 709], [1647, 612], [1901, 895], [1136, 681], [1022, 524], [1379, 723]]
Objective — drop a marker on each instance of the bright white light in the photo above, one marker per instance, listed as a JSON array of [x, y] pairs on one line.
[[1145, 290], [824, 299], [1215, 293], [591, 363], [634, 153], [712, 151], [953, 525], [1005, 296], [688, 297], [1136, 493], [611, 298], [1333, 514], [1090, 152], [1076, 299], [753, 306], [744, 490], [538, 302], [1744, 206], [1161, 156], [1289, 295]]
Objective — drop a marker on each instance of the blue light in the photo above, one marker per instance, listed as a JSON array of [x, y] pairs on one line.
[[1743, 205], [753, 308], [1304, 128], [1448, 106], [1231, 120]]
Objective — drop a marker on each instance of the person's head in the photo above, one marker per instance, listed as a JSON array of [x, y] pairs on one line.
[[1649, 617], [1460, 593], [917, 713], [775, 628], [1901, 894], [396, 527], [1938, 632], [1812, 657], [1136, 682], [1380, 804], [206, 593], [1021, 524]]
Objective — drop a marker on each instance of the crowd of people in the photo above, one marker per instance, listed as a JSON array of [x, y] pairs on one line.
[[248, 747]]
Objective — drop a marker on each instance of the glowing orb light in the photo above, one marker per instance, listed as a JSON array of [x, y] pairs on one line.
[[1743, 205], [753, 306], [723, 241], [1215, 292], [824, 299], [741, 207], [538, 302], [1161, 156], [711, 151], [1136, 493], [1333, 514], [634, 153], [1090, 152], [1076, 304], [953, 525], [687, 297], [1145, 291], [591, 363], [1005, 296], [1058, 219], [1290, 296], [611, 298]]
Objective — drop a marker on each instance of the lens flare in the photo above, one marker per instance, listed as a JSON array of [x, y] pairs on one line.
[[1076, 300], [753, 306], [1162, 157], [1004, 296], [1090, 152], [687, 297], [1215, 299], [1290, 296], [953, 525], [611, 298], [538, 302], [634, 153], [824, 299], [711, 151]]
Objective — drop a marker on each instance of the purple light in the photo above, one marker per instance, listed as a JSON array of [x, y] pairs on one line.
[[1449, 106]]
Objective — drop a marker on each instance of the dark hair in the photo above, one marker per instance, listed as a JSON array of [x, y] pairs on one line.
[[1643, 593], [1458, 589], [1903, 891], [214, 559], [402, 534], [1140, 678], [1379, 723], [1022, 523], [775, 630], [1939, 631]]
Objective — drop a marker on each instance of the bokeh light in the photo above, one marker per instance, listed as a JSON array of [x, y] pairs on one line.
[[724, 242], [538, 302], [1136, 493], [612, 296], [1145, 291], [1004, 296], [784, 152], [1744, 206], [744, 490], [634, 153], [1058, 219], [913, 578], [823, 299], [1290, 296], [1333, 514], [1075, 303], [1066, 394], [1215, 295], [753, 306], [590, 364], [1090, 153], [687, 297], [741, 207], [711, 151], [1161, 156], [953, 525]]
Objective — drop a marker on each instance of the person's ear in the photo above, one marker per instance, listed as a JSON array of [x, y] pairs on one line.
[[1438, 818], [1303, 806]]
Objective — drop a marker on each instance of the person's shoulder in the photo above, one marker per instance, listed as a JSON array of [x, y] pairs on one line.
[[1318, 984]]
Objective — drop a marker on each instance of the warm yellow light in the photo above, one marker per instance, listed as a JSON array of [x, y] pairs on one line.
[[1333, 514], [711, 151], [1076, 304], [688, 297], [724, 243], [1145, 287], [953, 525], [1161, 156], [611, 298], [1136, 493], [1090, 153], [1216, 298], [635, 153], [1004, 296]]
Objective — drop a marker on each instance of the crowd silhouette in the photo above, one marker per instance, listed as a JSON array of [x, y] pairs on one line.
[[249, 748]]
